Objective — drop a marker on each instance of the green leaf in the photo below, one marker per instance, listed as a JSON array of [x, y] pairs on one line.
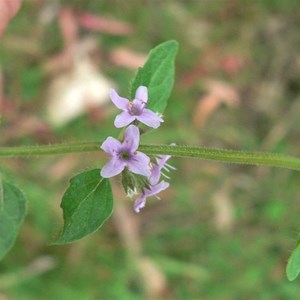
[[12, 212], [293, 266], [158, 75], [86, 204]]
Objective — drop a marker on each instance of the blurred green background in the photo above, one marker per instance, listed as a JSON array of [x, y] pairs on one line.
[[221, 231]]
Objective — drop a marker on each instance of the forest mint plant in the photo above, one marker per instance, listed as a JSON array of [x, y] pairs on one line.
[[88, 201]]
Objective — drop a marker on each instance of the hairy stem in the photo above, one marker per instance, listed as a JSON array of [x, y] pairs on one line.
[[49, 149], [221, 155], [229, 156]]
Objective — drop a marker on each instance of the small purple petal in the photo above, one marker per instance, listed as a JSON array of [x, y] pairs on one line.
[[139, 203], [155, 189], [110, 145], [149, 118], [113, 167], [123, 119], [155, 174], [139, 164], [161, 160], [142, 94], [131, 138], [118, 101]]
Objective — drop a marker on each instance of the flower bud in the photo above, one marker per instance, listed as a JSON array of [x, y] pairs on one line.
[[133, 183]]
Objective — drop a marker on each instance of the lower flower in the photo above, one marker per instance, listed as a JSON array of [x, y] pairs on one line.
[[152, 191], [154, 187]]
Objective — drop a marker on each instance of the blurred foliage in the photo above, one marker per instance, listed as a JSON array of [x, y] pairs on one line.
[[221, 231]]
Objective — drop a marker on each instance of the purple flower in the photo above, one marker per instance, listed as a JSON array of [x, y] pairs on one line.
[[134, 110], [125, 155], [153, 191], [155, 187]]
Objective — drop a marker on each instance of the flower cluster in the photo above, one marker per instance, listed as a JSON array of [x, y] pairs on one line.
[[124, 156]]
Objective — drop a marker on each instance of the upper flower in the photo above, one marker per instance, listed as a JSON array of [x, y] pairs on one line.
[[125, 155], [134, 110]]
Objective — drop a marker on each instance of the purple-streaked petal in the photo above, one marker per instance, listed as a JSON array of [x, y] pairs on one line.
[[155, 174], [131, 138], [139, 164], [142, 94], [139, 203], [155, 189], [113, 167], [149, 118], [111, 145], [123, 119], [118, 101]]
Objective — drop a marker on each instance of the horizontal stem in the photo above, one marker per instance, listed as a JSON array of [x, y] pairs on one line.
[[49, 149], [228, 156], [221, 155]]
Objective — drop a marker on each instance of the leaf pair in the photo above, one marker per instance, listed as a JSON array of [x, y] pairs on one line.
[[87, 203]]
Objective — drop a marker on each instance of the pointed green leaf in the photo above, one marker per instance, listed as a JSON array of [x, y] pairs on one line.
[[158, 75], [86, 204], [293, 266], [12, 212]]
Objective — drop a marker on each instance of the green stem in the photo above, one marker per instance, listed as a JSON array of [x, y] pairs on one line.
[[49, 149], [228, 156], [221, 155]]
